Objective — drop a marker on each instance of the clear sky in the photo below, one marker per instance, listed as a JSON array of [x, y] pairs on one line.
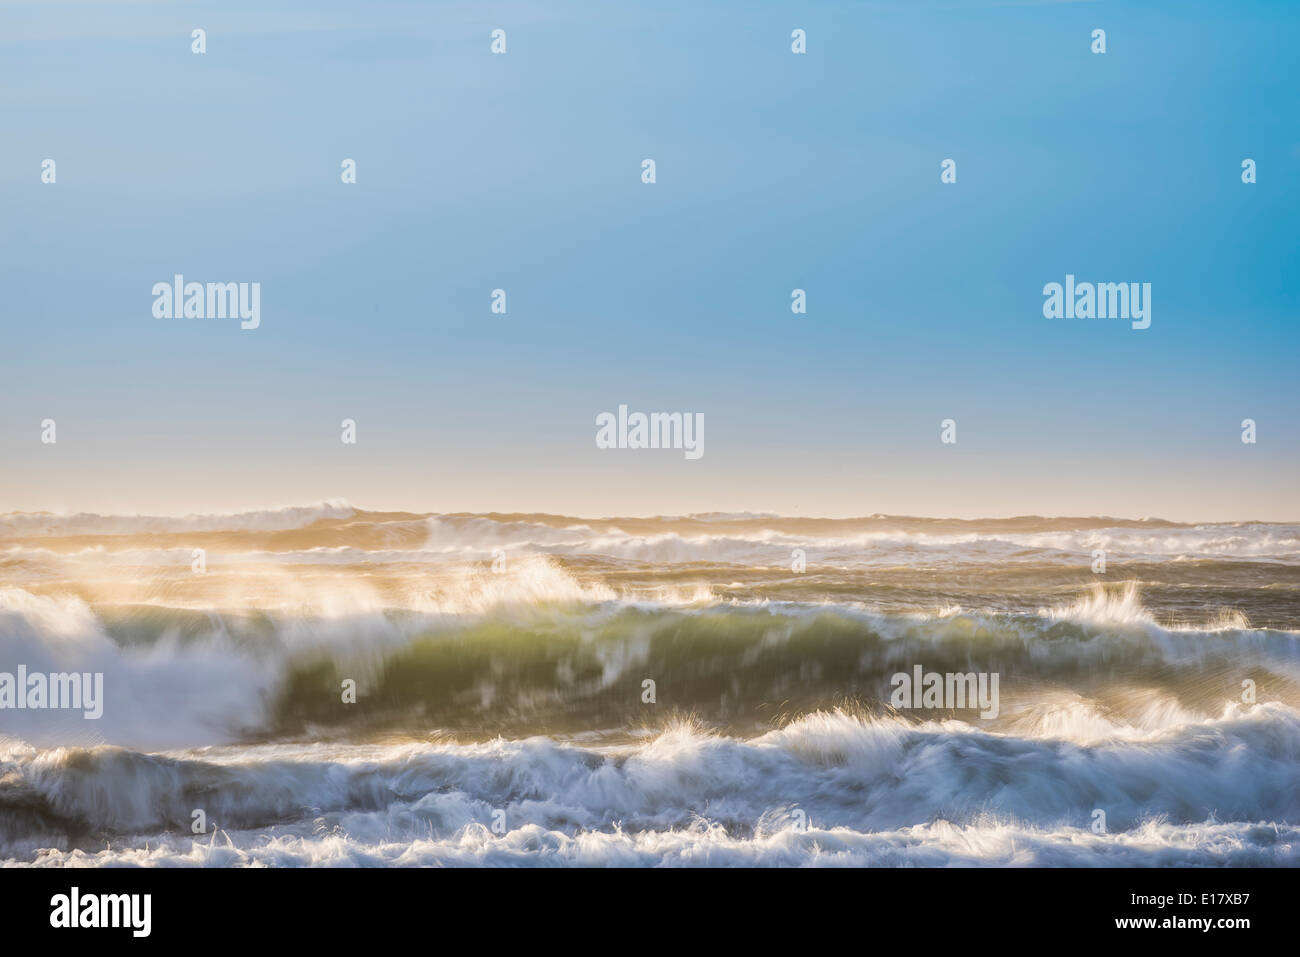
[[775, 171]]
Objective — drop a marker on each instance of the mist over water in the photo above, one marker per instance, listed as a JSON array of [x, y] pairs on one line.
[[500, 716]]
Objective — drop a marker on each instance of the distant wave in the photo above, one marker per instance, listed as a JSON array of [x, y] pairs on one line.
[[18, 524], [335, 530]]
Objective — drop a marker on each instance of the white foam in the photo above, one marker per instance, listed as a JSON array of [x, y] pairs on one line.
[[869, 792]]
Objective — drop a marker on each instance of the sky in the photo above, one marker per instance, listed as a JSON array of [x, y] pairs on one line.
[[775, 171]]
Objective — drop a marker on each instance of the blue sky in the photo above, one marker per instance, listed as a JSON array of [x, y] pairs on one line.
[[775, 172]]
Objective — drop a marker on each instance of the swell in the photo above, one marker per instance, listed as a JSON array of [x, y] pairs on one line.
[[743, 667], [1187, 595], [566, 659]]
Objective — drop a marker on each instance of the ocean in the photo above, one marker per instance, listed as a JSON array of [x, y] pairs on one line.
[[332, 686]]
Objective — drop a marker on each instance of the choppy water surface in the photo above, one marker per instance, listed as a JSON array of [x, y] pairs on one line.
[[500, 664]]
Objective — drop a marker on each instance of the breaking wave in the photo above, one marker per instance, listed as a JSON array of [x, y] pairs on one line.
[[828, 788]]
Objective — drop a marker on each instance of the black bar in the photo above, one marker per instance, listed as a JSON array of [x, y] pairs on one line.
[[682, 908]]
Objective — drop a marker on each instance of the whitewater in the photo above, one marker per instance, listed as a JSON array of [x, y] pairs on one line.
[[327, 685]]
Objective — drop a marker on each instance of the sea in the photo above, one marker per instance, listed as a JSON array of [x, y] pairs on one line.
[[327, 685]]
